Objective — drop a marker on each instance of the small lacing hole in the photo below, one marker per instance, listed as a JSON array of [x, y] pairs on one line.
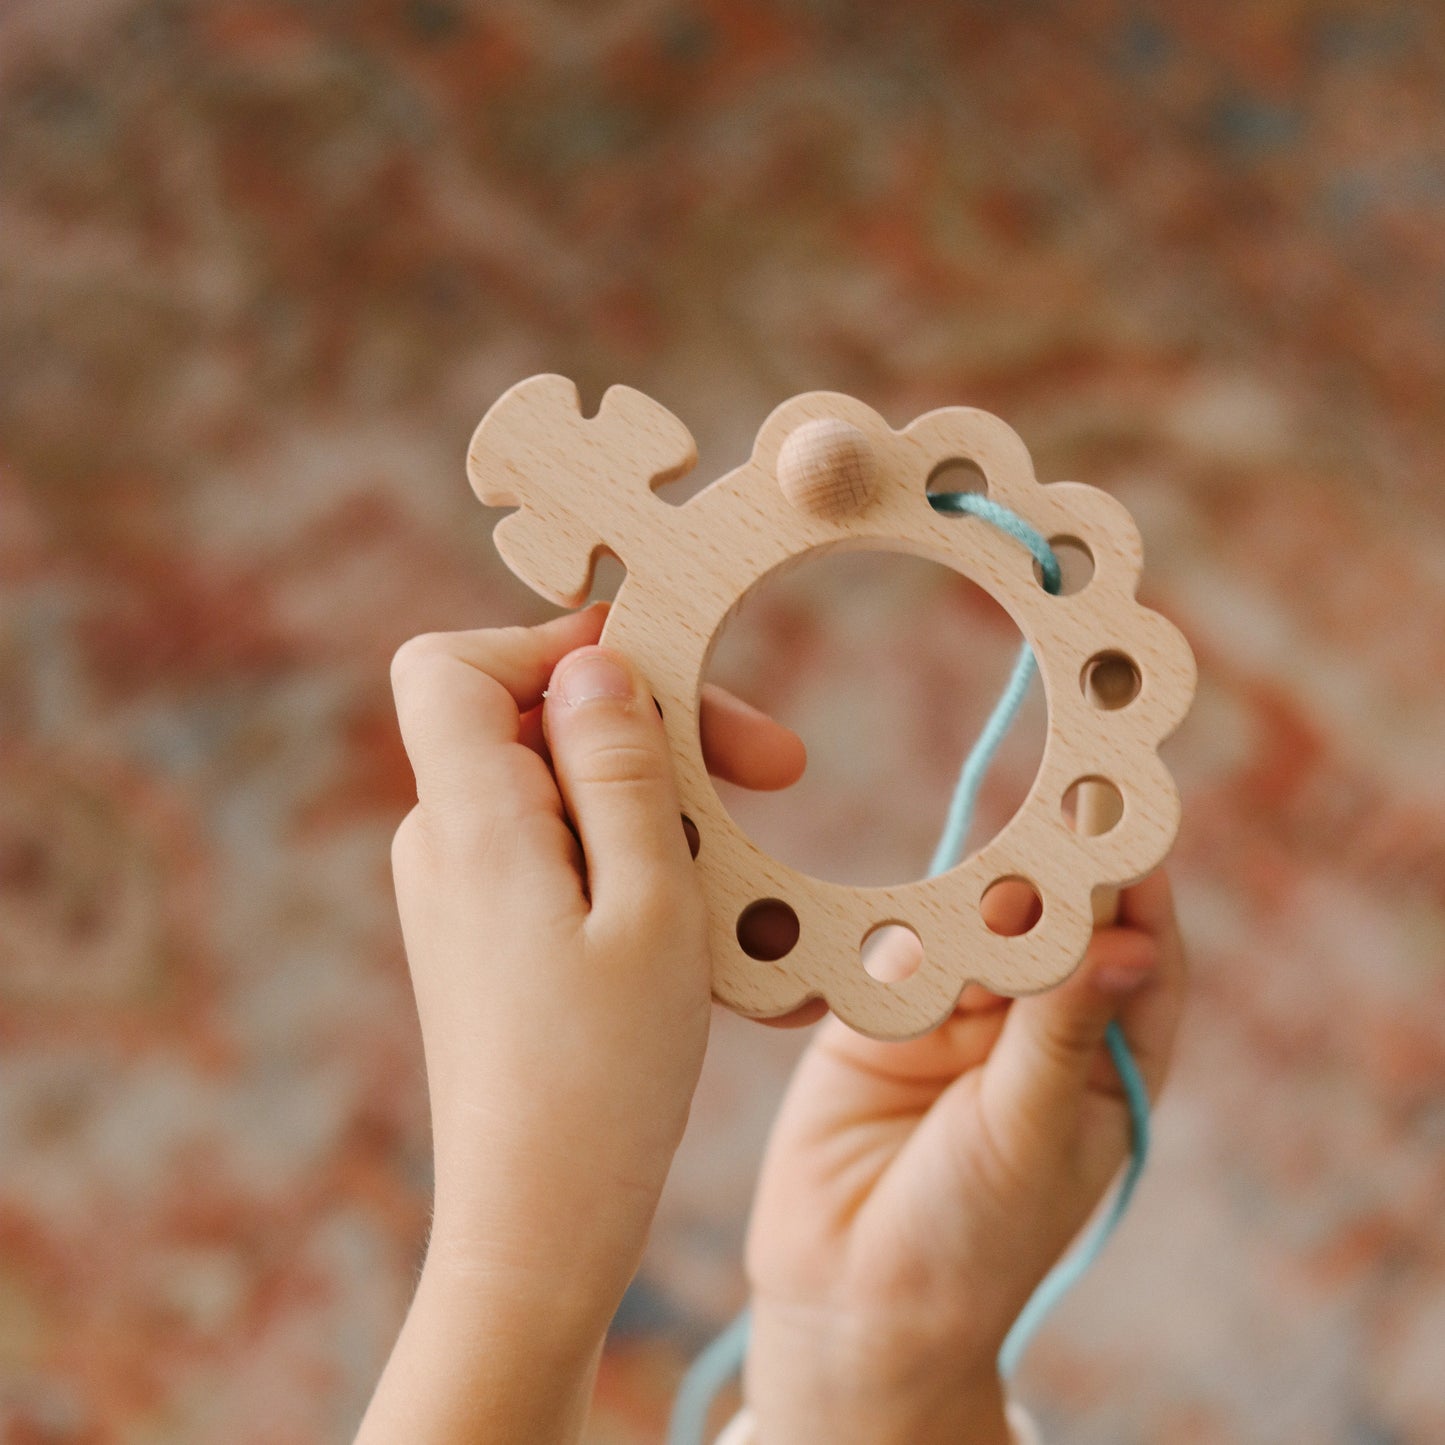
[[1093, 806], [1110, 680], [892, 952], [768, 930], [1076, 565], [1011, 907], [957, 474]]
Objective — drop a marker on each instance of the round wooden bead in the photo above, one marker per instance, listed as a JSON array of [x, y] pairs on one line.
[[828, 468]]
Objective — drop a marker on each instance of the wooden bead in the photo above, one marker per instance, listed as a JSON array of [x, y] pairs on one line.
[[828, 468]]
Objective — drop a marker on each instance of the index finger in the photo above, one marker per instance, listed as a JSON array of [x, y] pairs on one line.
[[460, 695]]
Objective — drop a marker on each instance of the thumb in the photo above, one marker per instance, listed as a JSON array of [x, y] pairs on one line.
[[1039, 1073], [614, 772]]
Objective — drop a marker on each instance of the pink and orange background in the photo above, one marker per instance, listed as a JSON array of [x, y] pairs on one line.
[[262, 268]]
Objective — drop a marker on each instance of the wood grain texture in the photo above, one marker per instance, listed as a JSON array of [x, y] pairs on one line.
[[827, 467], [584, 486]]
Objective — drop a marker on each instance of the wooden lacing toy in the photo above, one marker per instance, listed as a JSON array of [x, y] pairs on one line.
[[828, 474]]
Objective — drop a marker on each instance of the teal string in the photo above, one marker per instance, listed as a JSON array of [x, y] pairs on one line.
[[723, 1358], [706, 1377], [1077, 1263], [970, 778]]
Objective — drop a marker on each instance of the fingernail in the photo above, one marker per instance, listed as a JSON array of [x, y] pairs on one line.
[[1122, 980], [593, 677]]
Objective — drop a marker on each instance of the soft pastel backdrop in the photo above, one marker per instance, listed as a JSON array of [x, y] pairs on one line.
[[262, 267]]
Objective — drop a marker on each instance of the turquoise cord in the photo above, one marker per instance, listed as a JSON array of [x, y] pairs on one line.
[[970, 777], [706, 1378], [723, 1358], [1076, 1264]]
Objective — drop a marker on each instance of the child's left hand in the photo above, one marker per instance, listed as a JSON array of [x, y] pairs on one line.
[[914, 1194], [555, 932]]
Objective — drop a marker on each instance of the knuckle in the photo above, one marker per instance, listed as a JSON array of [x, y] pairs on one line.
[[622, 763], [652, 905], [477, 839], [417, 655], [1071, 1036], [651, 909], [460, 837], [997, 1162]]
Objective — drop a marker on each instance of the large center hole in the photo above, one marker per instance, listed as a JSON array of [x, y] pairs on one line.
[[888, 666]]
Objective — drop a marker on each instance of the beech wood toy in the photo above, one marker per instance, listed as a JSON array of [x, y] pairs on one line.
[[828, 474]]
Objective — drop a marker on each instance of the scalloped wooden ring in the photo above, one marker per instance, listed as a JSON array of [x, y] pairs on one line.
[[828, 474]]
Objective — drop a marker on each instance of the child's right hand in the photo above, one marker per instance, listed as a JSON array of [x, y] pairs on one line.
[[555, 930]]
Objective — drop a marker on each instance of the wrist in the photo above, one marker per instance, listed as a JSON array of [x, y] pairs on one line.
[[482, 1358], [846, 1380], [520, 1224], [570, 1297]]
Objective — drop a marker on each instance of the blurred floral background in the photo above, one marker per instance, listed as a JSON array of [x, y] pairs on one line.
[[263, 265]]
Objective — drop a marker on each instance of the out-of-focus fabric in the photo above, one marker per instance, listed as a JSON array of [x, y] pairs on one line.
[[263, 265]]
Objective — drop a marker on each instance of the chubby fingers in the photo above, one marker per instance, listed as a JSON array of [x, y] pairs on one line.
[[1153, 1008], [460, 697], [739, 744], [1134, 971], [1048, 1057], [744, 746], [613, 767]]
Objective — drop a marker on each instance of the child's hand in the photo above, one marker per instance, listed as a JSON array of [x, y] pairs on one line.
[[555, 932], [914, 1194]]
